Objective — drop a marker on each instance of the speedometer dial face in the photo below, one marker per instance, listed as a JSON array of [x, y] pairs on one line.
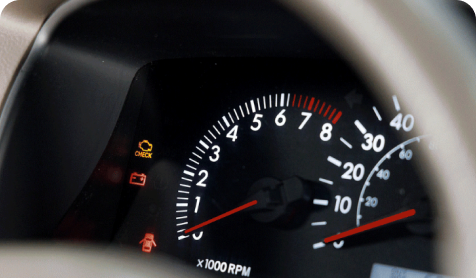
[[250, 167]]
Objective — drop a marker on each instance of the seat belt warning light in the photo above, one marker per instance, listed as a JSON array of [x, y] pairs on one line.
[[148, 243]]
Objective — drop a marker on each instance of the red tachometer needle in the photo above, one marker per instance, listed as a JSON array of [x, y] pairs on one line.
[[372, 225], [240, 208]]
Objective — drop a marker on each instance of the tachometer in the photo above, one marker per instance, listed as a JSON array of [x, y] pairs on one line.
[[261, 168], [274, 176]]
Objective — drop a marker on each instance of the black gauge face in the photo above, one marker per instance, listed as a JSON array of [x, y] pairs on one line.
[[248, 167], [313, 171], [316, 160]]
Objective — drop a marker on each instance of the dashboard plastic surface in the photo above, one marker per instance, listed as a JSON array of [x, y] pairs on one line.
[[70, 93]]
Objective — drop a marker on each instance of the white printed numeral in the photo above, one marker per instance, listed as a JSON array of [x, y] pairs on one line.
[[233, 133], [383, 174], [356, 173], [371, 202], [406, 122], [406, 154], [377, 143], [216, 153], [326, 134], [343, 204], [280, 119], [338, 245], [203, 173], [257, 121], [197, 204], [307, 116], [198, 237]]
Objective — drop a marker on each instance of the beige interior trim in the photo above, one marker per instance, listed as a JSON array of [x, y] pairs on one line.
[[20, 23], [81, 260]]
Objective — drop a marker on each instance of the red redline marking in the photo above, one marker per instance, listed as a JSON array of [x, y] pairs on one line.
[[300, 97], [304, 106], [294, 99], [320, 111], [337, 117], [329, 107], [372, 225], [240, 208], [317, 105], [332, 114], [310, 104]]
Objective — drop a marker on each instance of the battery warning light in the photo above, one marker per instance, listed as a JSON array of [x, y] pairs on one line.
[[148, 243], [146, 148], [137, 179]]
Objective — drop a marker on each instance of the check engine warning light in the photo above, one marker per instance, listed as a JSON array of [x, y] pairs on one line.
[[148, 243], [146, 149], [137, 179]]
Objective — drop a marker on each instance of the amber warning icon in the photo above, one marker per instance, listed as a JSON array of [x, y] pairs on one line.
[[146, 149]]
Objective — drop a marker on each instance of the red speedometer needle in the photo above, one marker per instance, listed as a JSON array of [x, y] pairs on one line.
[[372, 225], [240, 208]]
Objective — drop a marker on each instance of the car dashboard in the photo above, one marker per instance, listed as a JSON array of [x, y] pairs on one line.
[[229, 136]]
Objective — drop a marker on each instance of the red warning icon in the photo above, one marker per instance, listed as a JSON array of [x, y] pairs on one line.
[[137, 179], [148, 243]]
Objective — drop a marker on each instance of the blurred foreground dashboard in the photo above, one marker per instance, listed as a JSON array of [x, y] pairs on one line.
[[226, 134]]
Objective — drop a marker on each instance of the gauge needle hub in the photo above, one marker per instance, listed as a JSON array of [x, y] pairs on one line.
[[233, 211], [371, 225]]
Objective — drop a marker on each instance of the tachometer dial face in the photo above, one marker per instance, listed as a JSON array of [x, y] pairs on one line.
[[250, 167], [307, 164]]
